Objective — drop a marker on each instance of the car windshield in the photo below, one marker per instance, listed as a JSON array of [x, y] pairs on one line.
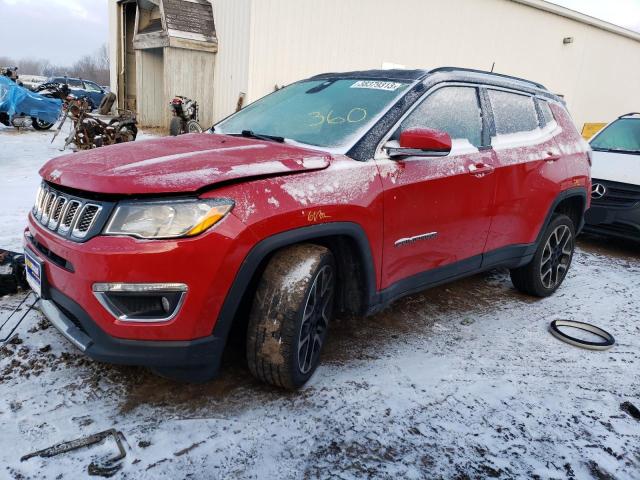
[[621, 135], [323, 113]]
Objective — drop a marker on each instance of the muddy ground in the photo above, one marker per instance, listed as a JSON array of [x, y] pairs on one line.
[[462, 381]]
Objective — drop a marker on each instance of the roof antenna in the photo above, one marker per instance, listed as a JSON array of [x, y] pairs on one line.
[[493, 66]]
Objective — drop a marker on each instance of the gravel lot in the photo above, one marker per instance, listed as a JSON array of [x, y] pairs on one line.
[[462, 381]]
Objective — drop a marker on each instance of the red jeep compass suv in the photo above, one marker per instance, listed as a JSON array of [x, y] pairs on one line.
[[340, 193]]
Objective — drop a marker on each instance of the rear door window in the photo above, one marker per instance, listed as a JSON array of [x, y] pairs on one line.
[[512, 112], [455, 110]]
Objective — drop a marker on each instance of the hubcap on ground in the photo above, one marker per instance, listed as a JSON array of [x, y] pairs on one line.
[[556, 257], [315, 319]]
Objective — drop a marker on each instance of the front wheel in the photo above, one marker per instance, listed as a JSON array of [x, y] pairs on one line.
[[290, 316], [128, 133], [193, 127], [551, 262]]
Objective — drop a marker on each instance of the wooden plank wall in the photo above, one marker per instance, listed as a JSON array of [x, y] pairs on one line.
[[153, 108], [191, 73]]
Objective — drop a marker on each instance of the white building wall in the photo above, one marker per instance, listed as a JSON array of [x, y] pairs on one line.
[[233, 19], [114, 34], [598, 74], [264, 43]]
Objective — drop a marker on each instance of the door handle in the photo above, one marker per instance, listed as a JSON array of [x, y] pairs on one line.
[[480, 169], [551, 157]]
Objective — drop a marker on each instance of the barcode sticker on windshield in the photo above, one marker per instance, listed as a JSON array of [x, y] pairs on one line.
[[377, 85]]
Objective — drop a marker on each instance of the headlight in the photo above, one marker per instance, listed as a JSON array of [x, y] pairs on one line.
[[167, 219]]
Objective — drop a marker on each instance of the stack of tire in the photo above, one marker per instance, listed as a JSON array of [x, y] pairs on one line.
[[12, 275], [107, 103]]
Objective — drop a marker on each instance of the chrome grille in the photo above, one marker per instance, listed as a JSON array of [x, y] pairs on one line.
[[67, 215], [617, 194], [56, 212], [86, 218], [46, 209]]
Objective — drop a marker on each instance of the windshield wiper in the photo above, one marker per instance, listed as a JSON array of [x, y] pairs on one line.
[[258, 136], [615, 150]]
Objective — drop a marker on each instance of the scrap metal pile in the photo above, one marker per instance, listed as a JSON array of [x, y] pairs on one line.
[[90, 131]]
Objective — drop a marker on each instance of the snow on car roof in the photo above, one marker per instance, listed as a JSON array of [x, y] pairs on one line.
[[396, 74], [415, 75]]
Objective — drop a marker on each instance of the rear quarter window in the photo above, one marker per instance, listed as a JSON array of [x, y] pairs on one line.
[[547, 114], [513, 112]]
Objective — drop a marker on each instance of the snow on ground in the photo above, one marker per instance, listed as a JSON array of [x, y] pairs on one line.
[[462, 381], [22, 153]]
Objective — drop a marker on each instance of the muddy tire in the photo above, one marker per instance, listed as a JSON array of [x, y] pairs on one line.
[[551, 262], [175, 127], [290, 316]]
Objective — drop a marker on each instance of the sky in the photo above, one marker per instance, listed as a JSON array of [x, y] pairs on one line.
[[625, 13], [64, 30], [58, 30]]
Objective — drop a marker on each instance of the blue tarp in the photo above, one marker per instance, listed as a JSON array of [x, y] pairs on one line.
[[17, 100]]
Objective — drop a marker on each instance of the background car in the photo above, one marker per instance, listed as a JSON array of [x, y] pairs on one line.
[[615, 193], [83, 88]]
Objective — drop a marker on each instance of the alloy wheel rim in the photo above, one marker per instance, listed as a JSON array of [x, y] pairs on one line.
[[315, 319], [556, 257]]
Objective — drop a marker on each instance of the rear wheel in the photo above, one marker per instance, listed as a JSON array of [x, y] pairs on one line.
[[40, 124], [290, 316], [175, 127], [551, 262]]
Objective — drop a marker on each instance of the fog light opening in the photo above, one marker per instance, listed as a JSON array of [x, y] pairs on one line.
[[166, 306], [148, 302]]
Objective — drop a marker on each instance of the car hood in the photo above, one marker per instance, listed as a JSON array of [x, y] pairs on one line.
[[616, 167], [182, 164]]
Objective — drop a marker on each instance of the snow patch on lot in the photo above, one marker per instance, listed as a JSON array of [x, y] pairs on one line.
[[463, 380]]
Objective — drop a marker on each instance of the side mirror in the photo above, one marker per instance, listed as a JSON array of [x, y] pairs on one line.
[[422, 142]]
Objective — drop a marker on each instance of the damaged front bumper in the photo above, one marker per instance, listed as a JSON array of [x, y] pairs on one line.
[[77, 327]]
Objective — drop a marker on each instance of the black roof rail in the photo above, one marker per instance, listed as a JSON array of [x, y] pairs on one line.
[[629, 114], [501, 75]]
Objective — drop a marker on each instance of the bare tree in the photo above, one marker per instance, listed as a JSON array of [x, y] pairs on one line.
[[26, 66], [90, 67]]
